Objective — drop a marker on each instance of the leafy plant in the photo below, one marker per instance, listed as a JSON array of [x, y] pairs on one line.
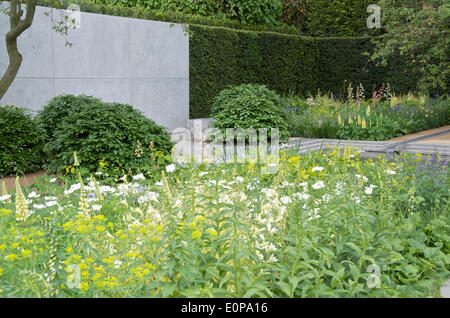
[[21, 141], [116, 134], [52, 114], [250, 106]]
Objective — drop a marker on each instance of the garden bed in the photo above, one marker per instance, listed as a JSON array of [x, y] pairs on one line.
[[321, 226]]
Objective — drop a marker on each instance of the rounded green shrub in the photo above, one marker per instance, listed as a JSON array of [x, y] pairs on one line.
[[115, 137], [250, 106], [59, 107], [21, 141]]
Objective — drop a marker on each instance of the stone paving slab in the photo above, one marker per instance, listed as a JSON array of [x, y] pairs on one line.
[[445, 290], [419, 134]]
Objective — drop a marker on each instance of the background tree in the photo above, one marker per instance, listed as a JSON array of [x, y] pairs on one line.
[[17, 25], [419, 31]]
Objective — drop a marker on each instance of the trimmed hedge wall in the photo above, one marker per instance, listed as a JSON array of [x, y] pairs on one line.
[[221, 57]]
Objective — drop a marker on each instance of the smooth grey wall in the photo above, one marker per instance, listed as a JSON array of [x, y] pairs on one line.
[[139, 62]]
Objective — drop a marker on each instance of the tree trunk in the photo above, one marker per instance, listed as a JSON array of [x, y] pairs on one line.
[[17, 26]]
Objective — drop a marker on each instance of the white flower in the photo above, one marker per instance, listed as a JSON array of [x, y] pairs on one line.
[[159, 183], [318, 185], [139, 177], [303, 184], [39, 206], [239, 179], [201, 174], [361, 177], [300, 196], [326, 198], [355, 198], [270, 193], [53, 180], [51, 203], [33, 195], [368, 190], [170, 168], [72, 189], [389, 171], [98, 173], [339, 188], [5, 197], [50, 198], [149, 196], [96, 207], [317, 169], [117, 263], [285, 200]]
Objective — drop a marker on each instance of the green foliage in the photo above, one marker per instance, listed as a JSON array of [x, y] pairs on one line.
[[294, 13], [119, 136], [383, 120], [337, 17], [21, 142], [59, 107], [418, 31], [250, 106], [239, 13]]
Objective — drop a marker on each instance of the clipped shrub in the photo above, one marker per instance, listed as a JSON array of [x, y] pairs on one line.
[[21, 141], [250, 106], [115, 136], [59, 107]]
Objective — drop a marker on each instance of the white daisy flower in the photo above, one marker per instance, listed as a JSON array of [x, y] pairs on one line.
[[317, 169]]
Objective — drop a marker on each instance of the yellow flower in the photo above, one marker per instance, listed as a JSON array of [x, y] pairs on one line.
[[11, 257], [196, 234], [83, 266], [1, 271], [69, 249], [212, 232], [14, 245], [84, 286], [100, 228], [26, 253]]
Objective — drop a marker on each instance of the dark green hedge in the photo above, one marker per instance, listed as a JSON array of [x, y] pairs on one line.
[[221, 57]]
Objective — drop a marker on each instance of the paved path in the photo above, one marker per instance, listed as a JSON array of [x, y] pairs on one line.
[[437, 143], [422, 133]]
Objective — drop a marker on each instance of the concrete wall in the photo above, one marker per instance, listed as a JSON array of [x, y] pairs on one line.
[[139, 62]]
